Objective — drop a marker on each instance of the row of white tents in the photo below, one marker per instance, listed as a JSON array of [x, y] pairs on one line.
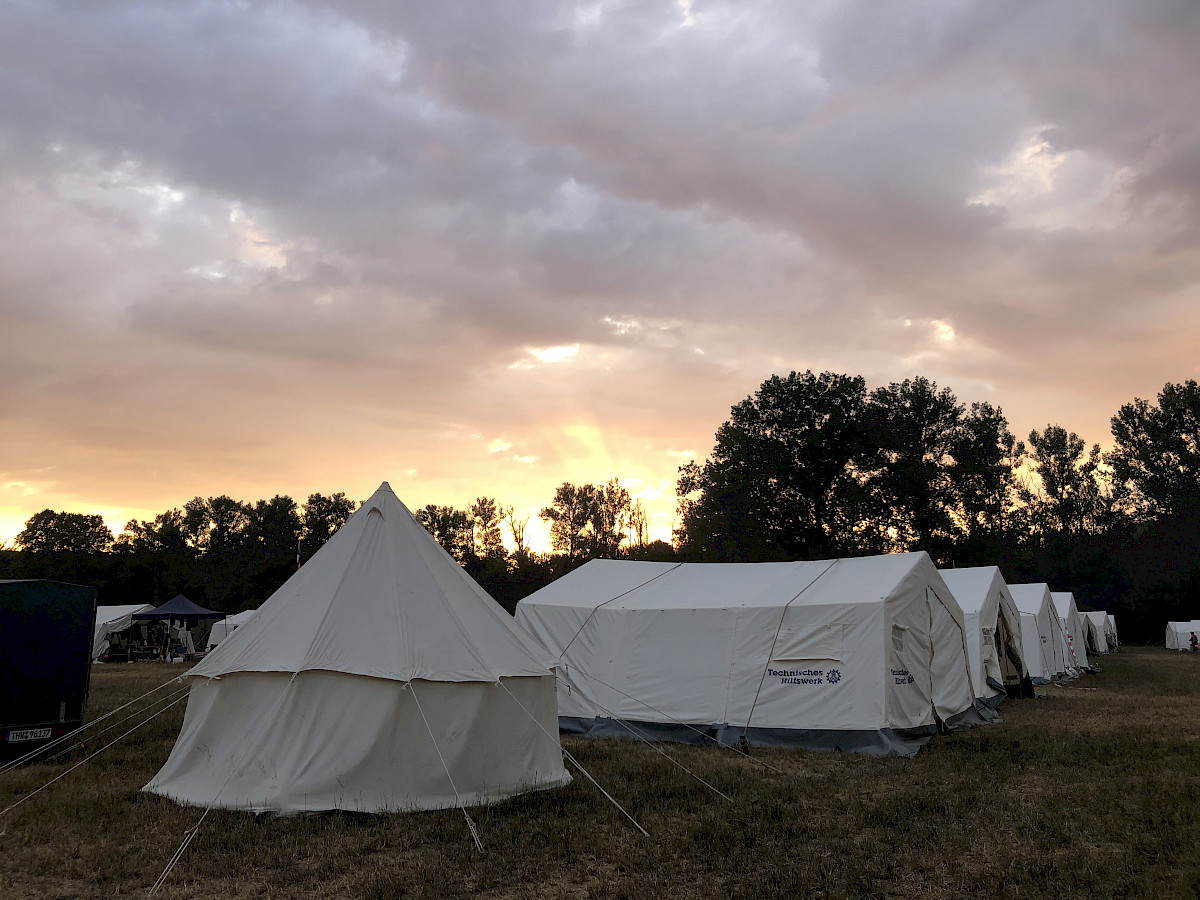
[[382, 677]]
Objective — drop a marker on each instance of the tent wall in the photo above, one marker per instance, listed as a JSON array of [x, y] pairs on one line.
[[1097, 643], [1036, 646], [373, 751], [627, 663], [1074, 628], [1098, 630], [993, 631], [1064, 660], [948, 639], [1041, 628]]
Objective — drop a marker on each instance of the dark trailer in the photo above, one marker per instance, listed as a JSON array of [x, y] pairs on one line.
[[45, 660]]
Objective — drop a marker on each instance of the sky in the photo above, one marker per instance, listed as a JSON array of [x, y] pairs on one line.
[[483, 248]]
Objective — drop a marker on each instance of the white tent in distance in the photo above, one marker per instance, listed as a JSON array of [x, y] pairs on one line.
[[379, 677], [1179, 634], [1097, 622]]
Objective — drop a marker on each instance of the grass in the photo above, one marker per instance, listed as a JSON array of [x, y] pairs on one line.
[[1090, 791]]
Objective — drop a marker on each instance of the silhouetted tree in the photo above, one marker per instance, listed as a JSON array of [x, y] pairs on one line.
[[1066, 492], [655, 551], [610, 519], [570, 515], [1157, 451], [450, 527], [518, 522], [911, 431], [639, 525], [986, 457], [64, 532], [321, 519], [486, 517], [781, 481], [272, 530], [228, 519], [162, 535]]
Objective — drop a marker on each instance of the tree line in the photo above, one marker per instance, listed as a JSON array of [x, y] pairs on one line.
[[231, 555], [809, 466]]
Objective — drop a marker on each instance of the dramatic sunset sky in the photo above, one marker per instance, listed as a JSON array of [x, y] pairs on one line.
[[485, 248]]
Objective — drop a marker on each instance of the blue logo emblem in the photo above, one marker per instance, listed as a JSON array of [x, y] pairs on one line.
[[833, 676]]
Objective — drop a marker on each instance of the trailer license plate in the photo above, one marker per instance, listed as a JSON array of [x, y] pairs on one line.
[[29, 734]]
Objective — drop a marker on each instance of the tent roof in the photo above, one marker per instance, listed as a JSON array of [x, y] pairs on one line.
[[1184, 627], [973, 587], [625, 584], [106, 614], [1064, 602], [179, 607], [240, 618], [1031, 598], [381, 598]]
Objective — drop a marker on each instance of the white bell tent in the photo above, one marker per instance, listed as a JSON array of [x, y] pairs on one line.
[[1073, 625], [379, 677], [993, 626], [858, 654], [1042, 635]]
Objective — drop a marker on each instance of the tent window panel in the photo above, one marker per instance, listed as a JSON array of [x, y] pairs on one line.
[[809, 642], [898, 632]]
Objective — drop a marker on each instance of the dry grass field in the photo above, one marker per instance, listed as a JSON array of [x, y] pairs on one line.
[[1090, 791]]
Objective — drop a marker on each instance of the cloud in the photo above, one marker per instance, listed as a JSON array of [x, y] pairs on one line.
[[301, 246]]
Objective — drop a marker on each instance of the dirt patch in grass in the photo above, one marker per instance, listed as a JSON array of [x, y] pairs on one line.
[[1090, 791]]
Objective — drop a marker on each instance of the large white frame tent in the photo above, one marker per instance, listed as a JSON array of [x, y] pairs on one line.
[[993, 627], [113, 620], [379, 677], [1073, 625], [1042, 635], [1179, 634], [858, 654]]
